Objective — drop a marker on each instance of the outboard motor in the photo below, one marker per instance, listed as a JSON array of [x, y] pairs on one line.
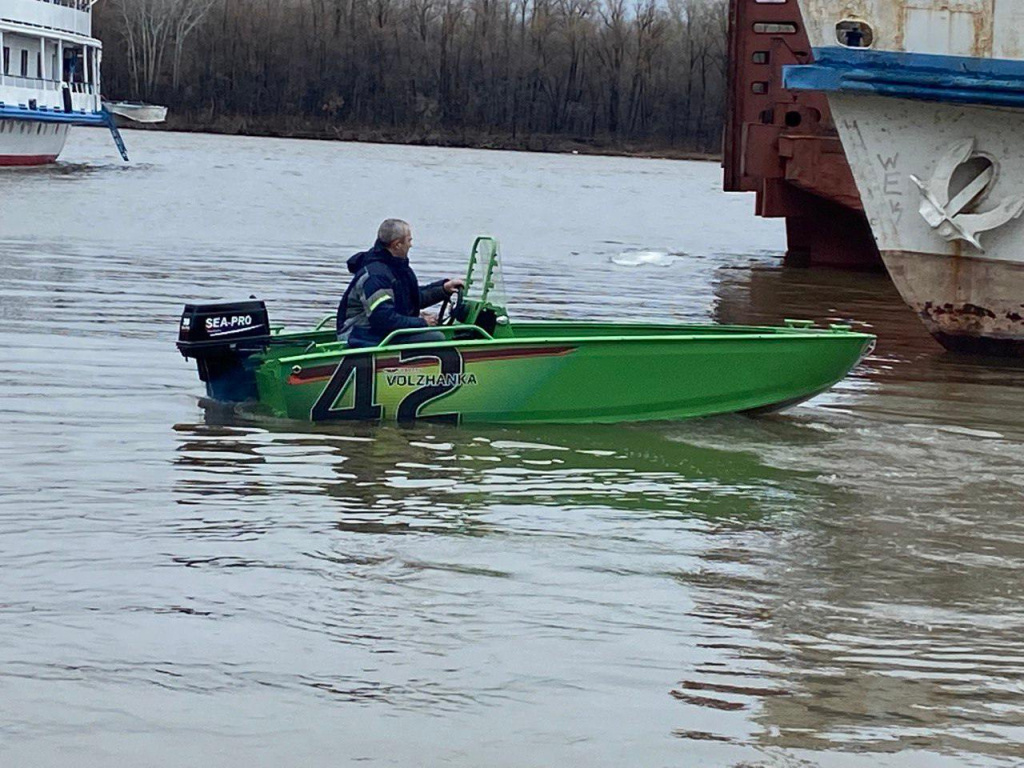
[[221, 338]]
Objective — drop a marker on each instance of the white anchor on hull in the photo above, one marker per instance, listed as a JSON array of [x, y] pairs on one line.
[[945, 215]]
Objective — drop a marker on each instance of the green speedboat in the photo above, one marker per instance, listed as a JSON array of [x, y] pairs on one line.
[[489, 369]]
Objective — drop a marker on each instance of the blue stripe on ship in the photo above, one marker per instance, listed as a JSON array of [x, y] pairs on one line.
[[917, 76], [9, 112]]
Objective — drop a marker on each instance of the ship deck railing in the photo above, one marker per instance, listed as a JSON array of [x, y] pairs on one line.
[[37, 83], [45, 84], [78, 5]]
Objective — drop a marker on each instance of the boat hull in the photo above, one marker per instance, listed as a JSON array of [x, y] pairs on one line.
[[31, 142], [551, 373], [970, 298], [928, 99], [968, 305], [137, 113]]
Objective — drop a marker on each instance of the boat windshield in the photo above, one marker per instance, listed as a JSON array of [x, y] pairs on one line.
[[484, 279]]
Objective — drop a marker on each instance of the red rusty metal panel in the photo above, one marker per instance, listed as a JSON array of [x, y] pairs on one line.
[[755, 58], [817, 164], [756, 164], [782, 144]]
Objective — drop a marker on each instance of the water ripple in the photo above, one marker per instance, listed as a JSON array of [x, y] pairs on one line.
[[833, 586]]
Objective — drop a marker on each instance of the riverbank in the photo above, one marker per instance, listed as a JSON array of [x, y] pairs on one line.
[[324, 130]]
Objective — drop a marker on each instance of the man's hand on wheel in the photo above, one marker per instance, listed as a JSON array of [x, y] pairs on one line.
[[451, 286], [431, 319]]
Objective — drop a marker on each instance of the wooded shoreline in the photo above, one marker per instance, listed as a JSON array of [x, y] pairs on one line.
[[625, 77]]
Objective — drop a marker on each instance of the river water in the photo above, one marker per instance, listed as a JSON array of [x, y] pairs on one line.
[[838, 585]]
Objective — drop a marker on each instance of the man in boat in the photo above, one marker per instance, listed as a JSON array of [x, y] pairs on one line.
[[385, 296]]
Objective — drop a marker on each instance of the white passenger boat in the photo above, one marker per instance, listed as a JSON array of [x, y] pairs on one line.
[[928, 98], [49, 78]]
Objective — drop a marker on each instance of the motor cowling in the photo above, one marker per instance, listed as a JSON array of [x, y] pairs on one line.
[[222, 338]]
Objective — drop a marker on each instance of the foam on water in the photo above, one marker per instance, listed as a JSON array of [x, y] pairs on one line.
[[645, 258]]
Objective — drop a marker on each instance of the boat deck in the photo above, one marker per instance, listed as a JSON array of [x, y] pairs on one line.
[[321, 343]]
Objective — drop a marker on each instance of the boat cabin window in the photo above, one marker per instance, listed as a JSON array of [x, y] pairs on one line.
[[24, 63], [854, 34], [7, 60], [74, 65]]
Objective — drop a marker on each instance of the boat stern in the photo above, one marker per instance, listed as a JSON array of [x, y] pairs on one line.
[[225, 340]]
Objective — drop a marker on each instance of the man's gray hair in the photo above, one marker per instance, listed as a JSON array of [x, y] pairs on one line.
[[392, 229]]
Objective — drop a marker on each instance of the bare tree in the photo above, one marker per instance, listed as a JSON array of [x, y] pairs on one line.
[[186, 16], [511, 72], [149, 29]]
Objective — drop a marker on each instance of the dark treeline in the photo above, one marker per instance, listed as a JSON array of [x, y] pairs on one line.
[[610, 73]]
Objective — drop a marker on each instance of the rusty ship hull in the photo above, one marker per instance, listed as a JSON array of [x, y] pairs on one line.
[[928, 100]]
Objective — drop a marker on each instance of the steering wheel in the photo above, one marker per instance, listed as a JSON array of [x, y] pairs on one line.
[[453, 306]]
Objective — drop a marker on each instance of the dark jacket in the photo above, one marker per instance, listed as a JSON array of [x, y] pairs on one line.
[[383, 296]]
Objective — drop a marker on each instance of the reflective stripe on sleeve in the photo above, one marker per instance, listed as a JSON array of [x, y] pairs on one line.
[[379, 298]]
